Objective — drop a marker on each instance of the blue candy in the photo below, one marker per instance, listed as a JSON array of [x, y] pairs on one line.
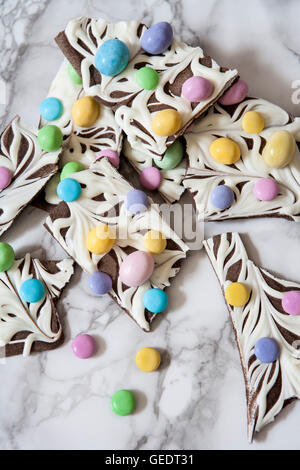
[[266, 350], [32, 290], [51, 109], [100, 283], [158, 38], [136, 201], [112, 57], [68, 190], [222, 197], [155, 300]]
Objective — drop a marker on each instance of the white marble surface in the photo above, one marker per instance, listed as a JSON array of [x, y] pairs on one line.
[[196, 400]]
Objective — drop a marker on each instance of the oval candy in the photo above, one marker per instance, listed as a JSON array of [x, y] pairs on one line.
[[266, 189], [69, 168], [155, 300], [68, 190], [84, 346], [136, 268], [150, 178], [172, 157], [222, 197], [85, 111], [123, 402], [5, 177], [154, 242], [148, 359], [166, 122], [73, 75], [237, 294], [32, 291], [266, 350], [235, 94], [100, 283], [147, 78], [158, 38], [7, 257], [100, 239], [50, 138], [279, 149], [196, 89], [291, 302], [225, 151], [136, 201], [112, 57], [51, 109], [111, 155], [253, 122]]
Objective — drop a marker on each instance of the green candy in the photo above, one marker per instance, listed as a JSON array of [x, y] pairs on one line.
[[73, 75], [7, 257], [50, 138], [69, 168], [172, 157], [147, 78], [123, 402]]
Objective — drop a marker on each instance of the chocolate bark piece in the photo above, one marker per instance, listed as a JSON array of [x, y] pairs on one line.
[[269, 386], [134, 107], [102, 202], [204, 173], [32, 327]]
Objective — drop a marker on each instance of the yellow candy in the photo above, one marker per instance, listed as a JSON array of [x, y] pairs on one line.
[[280, 149], [253, 122], [85, 111], [100, 240], [225, 151], [166, 122], [148, 359], [237, 294], [155, 242]]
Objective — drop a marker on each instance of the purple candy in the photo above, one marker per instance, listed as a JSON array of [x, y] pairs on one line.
[[222, 197], [291, 302], [265, 189], [158, 38], [100, 283], [235, 94], [196, 89], [84, 346], [150, 178], [5, 177], [266, 350], [136, 201]]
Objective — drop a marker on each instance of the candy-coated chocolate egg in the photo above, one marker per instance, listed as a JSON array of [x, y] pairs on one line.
[[235, 94], [265, 189], [150, 178], [225, 151], [74, 76], [279, 149], [237, 294], [100, 283], [222, 197], [111, 155], [85, 111], [253, 122], [5, 177], [266, 350], [100, 239], [196, 89], [69, 168], [173, 156], [123, 402], [155, 242], [147, 78], [51, 109], [112, 57], [148, 359], [155, 300], [136, 201], [50, 138], [7, 257], [291, 302], [68, 190], [84, 346], [136, 268], [166, 122], [32, 290], [158, 38]]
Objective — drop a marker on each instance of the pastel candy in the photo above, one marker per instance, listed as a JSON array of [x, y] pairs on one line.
[[154, 242], [253, 122], [73, 75], [84, 346], [51, 109], [147, 78], [7, 257], [265, 189], [69, 168], [5, 177], [225, 151], [172, 157], [68, 190], [148, 359], [85, 111], [291, 302], [222, 197], [235, 94], [50, 138], [32, 290], [166, 122], [266, 350], [279, 149], [100, 239], [123, 402], [196, 89], [112, 57], [158, 38], [111, 155], [100, 283], [150, 178], [136, 268], [136, 201], [155, 300], [237, 294]]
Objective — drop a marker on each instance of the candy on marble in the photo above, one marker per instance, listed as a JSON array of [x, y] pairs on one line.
[[279, 149], [112, 57], [7, 257], [166, 122], [136, 201], [68, 190], [147, 78], [50, 138], [237, 294], [73, 75], [155, 300], [136, 268], [69, 168], [100, 283], [158, 38], [51, 109], [196, 89], [235, 94], [148, 359], [225, 151], [32, 290], [123, 402], [111, 155], [100, 239], [150, 178], [172, 157], [85, 111], [5, 177], [154, 242], [253, 122], [265, 189], [291, 302], [266, 350], [222, 197], [84, 346]]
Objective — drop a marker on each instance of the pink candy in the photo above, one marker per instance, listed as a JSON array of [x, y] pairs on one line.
[[196, 89], [265, 189], [112, 156], [84, 346], [136, 268], [236, 93], [150, 178], [291, 302], [5, 177]]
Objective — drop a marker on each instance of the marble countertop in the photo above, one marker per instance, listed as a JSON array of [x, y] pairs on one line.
[[196, 400]]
